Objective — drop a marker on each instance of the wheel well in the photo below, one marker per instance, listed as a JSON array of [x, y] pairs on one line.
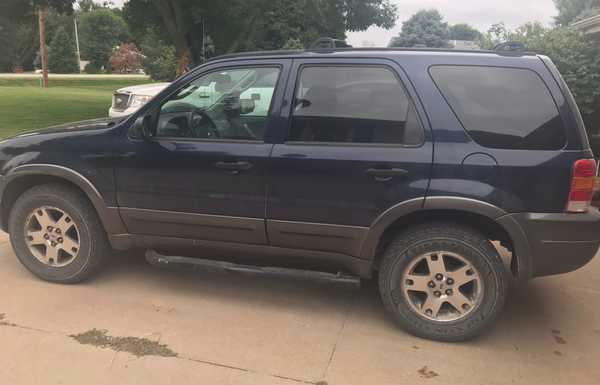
[[487, 226], [18, 186]]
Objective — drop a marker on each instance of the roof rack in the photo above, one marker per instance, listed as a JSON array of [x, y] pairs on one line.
[[510, 46], [325, 45], [329, 43]]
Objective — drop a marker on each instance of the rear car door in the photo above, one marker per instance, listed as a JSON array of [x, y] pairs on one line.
[[355, 146], [202, 174]]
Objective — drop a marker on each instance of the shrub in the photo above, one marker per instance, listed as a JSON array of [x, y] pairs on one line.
[[125, 59]]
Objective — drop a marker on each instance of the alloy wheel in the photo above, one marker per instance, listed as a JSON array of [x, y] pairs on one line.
[[442, 286], [52, 236]]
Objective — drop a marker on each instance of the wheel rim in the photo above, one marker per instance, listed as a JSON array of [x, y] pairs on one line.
[[442, 286], [52, 236]]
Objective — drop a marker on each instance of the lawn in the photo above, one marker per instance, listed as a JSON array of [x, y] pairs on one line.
[[25, 106]]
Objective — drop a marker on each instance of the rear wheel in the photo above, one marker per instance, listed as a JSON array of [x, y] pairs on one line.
[[56, 234], [442, 281]]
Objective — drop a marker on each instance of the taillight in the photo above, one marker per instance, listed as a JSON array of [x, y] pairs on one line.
[[582, 185]]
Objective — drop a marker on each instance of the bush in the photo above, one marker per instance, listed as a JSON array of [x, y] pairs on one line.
[[125, 59], [92, 69], [62, 58], [159, 60], [162, 67]]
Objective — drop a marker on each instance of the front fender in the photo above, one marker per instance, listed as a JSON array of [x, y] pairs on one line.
[[109, 216]]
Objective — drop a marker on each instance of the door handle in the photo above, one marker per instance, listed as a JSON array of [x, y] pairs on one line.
[[385, 174], [234, 167]]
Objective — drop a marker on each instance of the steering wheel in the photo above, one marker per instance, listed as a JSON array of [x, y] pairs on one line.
[[199, 120]]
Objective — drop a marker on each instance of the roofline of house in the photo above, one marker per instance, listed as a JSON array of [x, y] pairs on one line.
[[591, 21]]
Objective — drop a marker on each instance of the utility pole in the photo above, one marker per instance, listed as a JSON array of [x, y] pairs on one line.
[[42, 13], [77, 44]]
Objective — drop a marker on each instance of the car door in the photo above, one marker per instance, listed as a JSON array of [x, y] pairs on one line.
[[202, 174], [356, 145]]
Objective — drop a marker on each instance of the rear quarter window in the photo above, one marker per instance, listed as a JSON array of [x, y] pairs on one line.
[[507, 108]]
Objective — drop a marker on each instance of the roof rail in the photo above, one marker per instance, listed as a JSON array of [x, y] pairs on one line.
[[510, 46], [329, 43], [503, 52]]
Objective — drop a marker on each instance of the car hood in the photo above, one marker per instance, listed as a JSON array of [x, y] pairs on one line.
[[94, 124], [144, 89]]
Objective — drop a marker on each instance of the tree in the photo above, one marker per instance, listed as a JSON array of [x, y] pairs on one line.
[[62, 58], [87, 5], [425, 28], [239, 24], [19, 44], [20, 10], [577, 57], [570, 10], [464, 31], [496, 34], [100, 30], [125, 59]]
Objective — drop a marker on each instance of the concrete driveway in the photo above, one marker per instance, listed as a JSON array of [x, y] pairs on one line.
[[136, 324]]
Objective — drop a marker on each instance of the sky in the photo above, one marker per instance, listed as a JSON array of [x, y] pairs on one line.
[[479, 13]]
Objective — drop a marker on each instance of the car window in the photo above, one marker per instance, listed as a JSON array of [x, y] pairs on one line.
[[345, 104], [231, 105], [502, 107]]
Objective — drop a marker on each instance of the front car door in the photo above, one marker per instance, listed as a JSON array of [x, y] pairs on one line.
[[356, 145], [202, 174]]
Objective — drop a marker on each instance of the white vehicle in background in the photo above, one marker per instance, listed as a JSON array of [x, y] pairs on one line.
[[128, 100]]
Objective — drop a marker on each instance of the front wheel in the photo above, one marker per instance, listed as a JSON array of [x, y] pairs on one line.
[[442, 281], [56, 234]]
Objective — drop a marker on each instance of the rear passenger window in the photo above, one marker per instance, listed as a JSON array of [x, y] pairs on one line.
[[502, 107], [353, 105]]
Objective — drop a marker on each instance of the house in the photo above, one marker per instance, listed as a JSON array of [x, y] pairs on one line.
[[589, 25]]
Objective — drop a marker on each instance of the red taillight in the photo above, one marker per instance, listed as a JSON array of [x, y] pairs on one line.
[[582, 185]]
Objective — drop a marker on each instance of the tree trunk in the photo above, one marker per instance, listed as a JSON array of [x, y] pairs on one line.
[[177, 24], [183, 62], [42, 13]]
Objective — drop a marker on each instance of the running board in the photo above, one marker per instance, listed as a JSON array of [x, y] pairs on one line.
[[167, 261]]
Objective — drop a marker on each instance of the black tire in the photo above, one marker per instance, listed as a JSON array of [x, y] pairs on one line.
[[454, 238], [93, 244]]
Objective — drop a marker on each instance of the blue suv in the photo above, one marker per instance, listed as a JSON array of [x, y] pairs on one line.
[[400, 165]]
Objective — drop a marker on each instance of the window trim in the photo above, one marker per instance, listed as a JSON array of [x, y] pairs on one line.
[[298, 75], [269, 116], [564, 127]]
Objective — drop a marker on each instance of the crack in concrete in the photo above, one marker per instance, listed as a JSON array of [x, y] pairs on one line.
[[4, 322], [338, 337]]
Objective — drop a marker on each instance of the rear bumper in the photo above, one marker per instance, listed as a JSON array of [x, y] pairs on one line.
[[559, 242]]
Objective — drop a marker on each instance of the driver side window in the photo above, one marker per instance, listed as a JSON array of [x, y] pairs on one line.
[[231, 104]]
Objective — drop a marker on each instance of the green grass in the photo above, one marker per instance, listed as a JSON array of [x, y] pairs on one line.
[[24, 106], [101, 83]]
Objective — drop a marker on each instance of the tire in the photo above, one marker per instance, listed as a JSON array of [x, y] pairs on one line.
[[466, 255], [92, 244]]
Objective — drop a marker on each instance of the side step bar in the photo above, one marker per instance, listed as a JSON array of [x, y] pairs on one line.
[[167, 261]]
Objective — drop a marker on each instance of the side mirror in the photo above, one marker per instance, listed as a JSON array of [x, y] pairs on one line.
[[247, 106], [141, 128]]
